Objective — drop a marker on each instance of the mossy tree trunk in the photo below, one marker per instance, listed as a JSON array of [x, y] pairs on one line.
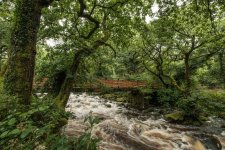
[[67, 86], [187, 72], [58, 80], [222, 67], [20, 72]]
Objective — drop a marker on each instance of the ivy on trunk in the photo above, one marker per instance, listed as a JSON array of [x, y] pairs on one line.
[[20, 72]]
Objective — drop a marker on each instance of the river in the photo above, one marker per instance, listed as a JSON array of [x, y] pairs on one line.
[[128, 129]]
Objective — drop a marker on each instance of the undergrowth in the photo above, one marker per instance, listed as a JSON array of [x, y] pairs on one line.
[[38, 126]]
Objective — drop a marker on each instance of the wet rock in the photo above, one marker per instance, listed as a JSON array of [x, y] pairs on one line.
[[78, 106], [223, 126], [121, 99], [62, 122], [210, 141], [149, 110], [108, 96], [119, 111], [222, 115], [184, 128], [108, 105], [203, 118], [94, 106], [222, 141], [73, 117]]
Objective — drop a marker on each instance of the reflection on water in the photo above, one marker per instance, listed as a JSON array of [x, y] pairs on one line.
[[120, 132]]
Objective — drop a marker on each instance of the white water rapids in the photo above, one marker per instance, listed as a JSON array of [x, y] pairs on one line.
[[120, 132]]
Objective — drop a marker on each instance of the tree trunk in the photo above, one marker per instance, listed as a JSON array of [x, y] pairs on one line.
[[67, 86], [58, 80], [20, 72], [161, 74], [187, 72], [65, 90], [163, 82], [174, 83], [222, 67]]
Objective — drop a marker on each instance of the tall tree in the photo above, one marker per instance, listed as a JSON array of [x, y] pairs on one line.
[[85, 31], [19, 75]]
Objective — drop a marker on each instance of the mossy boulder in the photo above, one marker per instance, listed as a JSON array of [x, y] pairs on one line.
[[180, 117], [177, 116], [121, 99], [62, 122], [109, 96], [203, 118]]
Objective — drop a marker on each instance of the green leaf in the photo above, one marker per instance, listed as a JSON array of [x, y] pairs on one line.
[[25, 133], [2, 123], [14, 132], [4, 134], [32, 111], [43, 108], [12, 121]]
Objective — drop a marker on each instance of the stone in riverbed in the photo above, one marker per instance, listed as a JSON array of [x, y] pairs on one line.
[[175, 117], [121, 99], [222, 115], [108, 96], [108, 105], [148, 110]]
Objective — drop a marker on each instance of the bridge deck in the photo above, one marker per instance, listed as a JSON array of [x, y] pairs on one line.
[[108, 83], [121, 83]]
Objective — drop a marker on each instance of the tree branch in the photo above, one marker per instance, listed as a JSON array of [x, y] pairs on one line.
[[87, 16]]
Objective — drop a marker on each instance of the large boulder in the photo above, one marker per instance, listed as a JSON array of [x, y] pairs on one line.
[[177, 116]]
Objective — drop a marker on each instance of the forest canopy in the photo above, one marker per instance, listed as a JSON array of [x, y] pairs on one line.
[[175, 49]]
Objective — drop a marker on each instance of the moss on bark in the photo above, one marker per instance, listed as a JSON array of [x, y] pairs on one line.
[[20, 72]]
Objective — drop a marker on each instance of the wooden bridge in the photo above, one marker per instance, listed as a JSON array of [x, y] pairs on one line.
[[121, 83], [99, 84], [116, 85]]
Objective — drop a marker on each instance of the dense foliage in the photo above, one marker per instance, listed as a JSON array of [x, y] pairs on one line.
[[39, 126], [176, 47]]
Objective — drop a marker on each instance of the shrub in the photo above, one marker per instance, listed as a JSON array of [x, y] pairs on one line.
[[168, 97], [29, 127], [213, 102], [38, 126], [84, 142], [190, 106]]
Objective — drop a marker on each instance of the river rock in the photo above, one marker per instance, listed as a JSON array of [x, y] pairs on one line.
[[222, 115], [121, 99], [108, 96], [149, 110], [223, 126], [175, 117], [108, 105]]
